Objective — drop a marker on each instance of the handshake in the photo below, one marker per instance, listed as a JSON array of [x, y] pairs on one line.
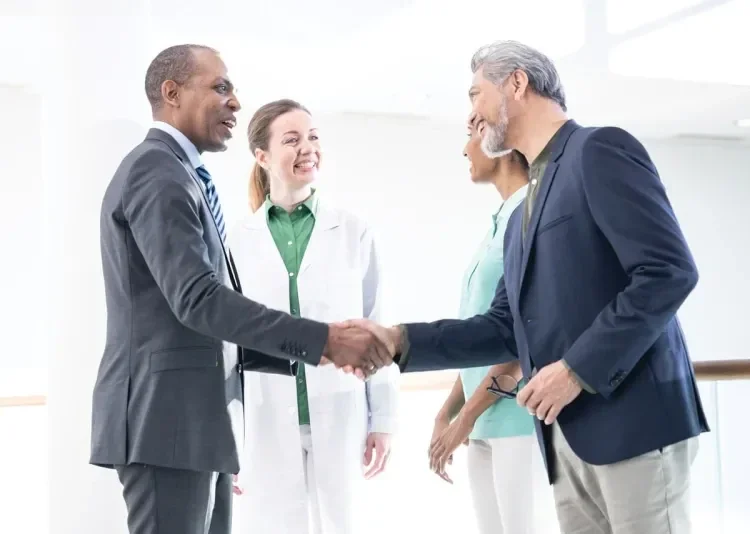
[[361, 346]]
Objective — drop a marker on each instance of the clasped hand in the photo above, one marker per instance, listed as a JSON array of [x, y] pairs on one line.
[[360, 346], [549, 391]]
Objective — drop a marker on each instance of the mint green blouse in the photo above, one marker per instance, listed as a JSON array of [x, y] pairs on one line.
[[504, 418]]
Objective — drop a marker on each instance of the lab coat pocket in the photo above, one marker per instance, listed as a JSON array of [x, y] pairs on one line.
[[335, 295], [327, 381]]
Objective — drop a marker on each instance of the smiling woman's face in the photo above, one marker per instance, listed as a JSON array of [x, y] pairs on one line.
[[294, 153], [481, 167]]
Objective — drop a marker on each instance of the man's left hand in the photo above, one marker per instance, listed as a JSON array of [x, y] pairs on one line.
[[236, 488], [377, 452], [547, 393]]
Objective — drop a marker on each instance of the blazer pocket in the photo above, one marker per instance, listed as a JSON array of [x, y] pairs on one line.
[[554, 222], [184, 358]]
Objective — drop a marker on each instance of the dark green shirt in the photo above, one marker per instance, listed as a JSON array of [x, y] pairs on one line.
[[536, 172], [291, 232]]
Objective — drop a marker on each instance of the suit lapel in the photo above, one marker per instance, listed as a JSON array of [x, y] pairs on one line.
[[227, 255], [167, 139], [560, 140]]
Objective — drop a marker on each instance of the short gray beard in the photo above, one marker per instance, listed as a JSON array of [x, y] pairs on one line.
[[493, 141]]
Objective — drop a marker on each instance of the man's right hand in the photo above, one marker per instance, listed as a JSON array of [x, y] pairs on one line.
[[350, 347]]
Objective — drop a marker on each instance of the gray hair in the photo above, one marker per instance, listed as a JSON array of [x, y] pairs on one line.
[[176, 63], [502, 58]]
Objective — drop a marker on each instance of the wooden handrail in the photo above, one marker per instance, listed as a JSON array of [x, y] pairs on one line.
[[23, 400], [721, 370], [717, 370]]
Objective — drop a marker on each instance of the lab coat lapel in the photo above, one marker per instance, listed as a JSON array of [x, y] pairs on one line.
[[275, 291], [326, 220]]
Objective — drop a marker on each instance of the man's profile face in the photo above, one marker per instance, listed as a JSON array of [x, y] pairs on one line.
[[206, 113], [489, 105]]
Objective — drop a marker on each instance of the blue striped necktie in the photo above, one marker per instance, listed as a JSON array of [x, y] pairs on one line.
[[213, 201]]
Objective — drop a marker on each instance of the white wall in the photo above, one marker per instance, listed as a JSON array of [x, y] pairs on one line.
[[21, 277]]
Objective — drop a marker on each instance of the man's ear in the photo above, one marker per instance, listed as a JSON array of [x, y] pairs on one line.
[[170, 93], [520, 83]]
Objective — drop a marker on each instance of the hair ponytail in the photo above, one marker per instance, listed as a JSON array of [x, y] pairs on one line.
[[259, 188]]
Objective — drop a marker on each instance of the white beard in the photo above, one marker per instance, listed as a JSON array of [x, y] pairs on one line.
[[493, 141]]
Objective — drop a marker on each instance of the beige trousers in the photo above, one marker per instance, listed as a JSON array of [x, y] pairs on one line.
[[648, 494]]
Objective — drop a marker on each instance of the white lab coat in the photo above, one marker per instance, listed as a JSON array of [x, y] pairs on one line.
[[339, 279]]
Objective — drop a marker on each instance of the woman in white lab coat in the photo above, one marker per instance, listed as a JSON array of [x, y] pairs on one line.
[[304, 461]]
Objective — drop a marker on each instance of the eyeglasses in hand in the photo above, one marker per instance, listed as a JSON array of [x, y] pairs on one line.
[[504, 386]]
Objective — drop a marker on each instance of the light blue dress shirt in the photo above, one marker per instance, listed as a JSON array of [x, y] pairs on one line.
[[504, 418], [186, 144]]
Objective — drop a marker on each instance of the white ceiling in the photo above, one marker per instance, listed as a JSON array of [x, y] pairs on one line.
[[660, 67]]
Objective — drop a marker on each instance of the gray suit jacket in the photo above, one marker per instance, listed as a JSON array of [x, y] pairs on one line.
[[169, 390]]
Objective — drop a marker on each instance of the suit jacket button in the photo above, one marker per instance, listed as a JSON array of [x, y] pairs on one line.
[[239, 368]]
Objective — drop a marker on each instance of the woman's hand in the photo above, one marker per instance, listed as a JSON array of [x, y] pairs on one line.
[[236, 488], [441, 425], [442, 448], [377, 452]]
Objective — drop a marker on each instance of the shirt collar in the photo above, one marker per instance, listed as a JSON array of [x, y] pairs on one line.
[[511, 203], [185, 144], [311, 203], [541, 159]]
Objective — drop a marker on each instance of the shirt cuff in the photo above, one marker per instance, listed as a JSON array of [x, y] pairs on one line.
[[581, 383], [383, 424]]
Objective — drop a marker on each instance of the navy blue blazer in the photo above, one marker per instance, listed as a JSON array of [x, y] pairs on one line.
[[598, 281]]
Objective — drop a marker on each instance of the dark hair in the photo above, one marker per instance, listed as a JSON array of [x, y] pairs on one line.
[[176, 63], [258, 134]]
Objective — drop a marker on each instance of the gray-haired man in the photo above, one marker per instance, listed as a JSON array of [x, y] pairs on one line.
[[596, 269]]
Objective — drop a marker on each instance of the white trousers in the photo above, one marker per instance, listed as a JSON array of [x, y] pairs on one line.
[[648, 494], [509, 486]]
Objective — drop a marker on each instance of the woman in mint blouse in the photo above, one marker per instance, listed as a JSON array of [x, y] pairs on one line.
[[502, 447]]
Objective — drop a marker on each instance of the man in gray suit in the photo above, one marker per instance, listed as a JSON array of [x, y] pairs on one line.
[[168, 400]]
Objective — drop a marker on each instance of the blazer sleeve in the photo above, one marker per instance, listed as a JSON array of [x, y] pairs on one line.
[[161, 204], [485, 339], [382, 389], [629, 204]]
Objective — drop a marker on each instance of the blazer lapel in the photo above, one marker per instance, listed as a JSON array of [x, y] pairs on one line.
[[549, 176], [227, 256], [167, 139]]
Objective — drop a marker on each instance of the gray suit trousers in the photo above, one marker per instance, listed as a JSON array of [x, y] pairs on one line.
[[161, 500]]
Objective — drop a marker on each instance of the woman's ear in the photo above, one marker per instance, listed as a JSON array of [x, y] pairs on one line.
[[262, 158]]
